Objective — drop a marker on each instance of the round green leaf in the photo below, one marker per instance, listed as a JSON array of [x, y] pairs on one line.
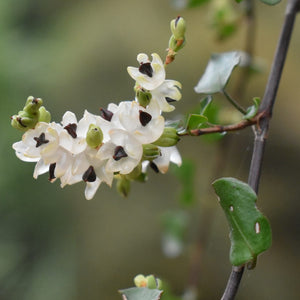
[[250, 231]]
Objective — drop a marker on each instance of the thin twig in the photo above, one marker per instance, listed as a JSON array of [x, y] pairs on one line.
[[226, 128], [267, 105], [234, 103]]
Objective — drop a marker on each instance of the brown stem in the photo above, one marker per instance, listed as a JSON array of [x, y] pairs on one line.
[[226, 128]]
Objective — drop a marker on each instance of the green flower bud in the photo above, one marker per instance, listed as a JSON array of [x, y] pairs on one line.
[[140, 281], [175, 45], [94, 136], [150, 152], [135, 173], [23, 121], [45, 115], [151, 282], [144, 97], [32, 105], [168, 138], [178, 27], [123, 186]]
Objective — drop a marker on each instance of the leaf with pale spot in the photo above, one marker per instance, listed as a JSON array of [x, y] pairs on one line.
[[250, 231], [139, 293]]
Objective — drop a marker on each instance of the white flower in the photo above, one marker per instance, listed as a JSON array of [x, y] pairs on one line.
[[40, 142], [149, 75], [166, 93], [123, 152], [162, 162], [73, 137], [145, 124], [89, 167]]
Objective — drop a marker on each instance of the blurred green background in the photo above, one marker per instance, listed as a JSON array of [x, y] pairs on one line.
[[56, 245]]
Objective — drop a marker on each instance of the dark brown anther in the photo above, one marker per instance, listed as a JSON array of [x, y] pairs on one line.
[[40, 140], [35, 101], [20, 122], [177, 19], [146, 69], [89, 175], [145, 118], [51, 172], [154, 167], [169, 100], [119, 153], [71, 128], [106, 114]]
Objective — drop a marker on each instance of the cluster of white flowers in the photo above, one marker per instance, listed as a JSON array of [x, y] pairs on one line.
[[96, 149]]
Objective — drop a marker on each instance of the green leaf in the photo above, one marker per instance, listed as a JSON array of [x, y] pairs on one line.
[[252, 110], [195, 121], [137, 293], [194, 3], [186, 174], [270, 2], [217, 72], [250, 231]]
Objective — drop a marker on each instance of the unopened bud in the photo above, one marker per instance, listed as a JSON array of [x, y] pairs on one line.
[[151, 282], [123, 186], [23, 121], [168, 138], [32, 105], [94, 136], [175, 45], [178, 27], [150, 152], [45, 115], [143, 97], [140, 281]]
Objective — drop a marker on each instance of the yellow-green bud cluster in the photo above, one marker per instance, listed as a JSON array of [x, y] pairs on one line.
[[168, 138], [177, 39], [32, 113], [149, 281]]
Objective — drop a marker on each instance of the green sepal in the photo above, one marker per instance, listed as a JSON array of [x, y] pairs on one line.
[[150, 152], [94, 136], [252, 110], [250, 231], [141, 293], [168, 138]]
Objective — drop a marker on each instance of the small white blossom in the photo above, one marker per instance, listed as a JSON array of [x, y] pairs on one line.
[[149, 75], [145, 124], [123, 152], [166, 93]]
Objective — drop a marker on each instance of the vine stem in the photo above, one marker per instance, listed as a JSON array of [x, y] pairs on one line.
[[261, 131]]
